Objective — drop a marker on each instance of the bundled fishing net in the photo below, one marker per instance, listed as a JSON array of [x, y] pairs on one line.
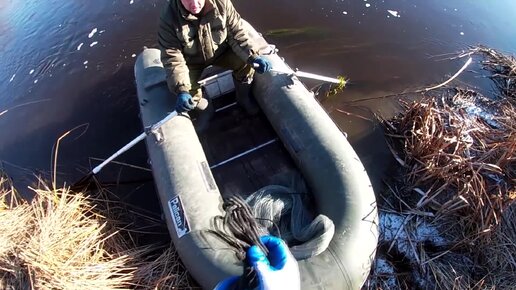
[[281, 212], [270, 211], [273, 210]]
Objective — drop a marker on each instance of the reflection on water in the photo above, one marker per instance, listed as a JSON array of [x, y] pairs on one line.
[[69, 63]]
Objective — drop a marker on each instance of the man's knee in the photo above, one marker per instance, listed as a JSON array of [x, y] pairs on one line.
[[196, 94], [244, 74]]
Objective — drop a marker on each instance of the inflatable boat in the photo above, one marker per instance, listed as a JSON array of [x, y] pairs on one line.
[[239, 153]]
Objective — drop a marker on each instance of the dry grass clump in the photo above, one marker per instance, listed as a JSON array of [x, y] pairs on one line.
[[56, 242], [62, 240], [501, 252], [457, 151], [502, 68], [457, 161]]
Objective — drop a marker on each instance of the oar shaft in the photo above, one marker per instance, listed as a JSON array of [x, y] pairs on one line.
[[119, 152], [303, 74], [134, 142], [307, 75]]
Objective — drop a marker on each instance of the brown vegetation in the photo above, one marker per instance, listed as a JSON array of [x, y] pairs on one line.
[[66, 240], [457, 156]]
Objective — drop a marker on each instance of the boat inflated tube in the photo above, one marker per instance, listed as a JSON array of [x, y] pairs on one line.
[[338, 180]]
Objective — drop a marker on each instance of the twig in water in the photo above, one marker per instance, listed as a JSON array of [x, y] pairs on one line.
[[451, 79], [124, 164], [355, 115], [55, 150], [22, 105], [419, 91]]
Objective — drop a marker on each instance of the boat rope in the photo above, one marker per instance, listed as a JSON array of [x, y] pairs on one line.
[[240, 230]]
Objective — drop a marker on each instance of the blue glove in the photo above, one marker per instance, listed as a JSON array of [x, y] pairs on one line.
[[278, 270], [262, 65], [184, 102]]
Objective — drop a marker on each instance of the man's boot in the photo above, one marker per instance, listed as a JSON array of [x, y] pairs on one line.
[[245, 98]]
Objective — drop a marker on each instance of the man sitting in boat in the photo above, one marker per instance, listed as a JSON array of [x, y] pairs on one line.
[[194, 34]]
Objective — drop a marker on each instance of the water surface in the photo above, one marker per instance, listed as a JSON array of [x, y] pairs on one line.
[[68, 64]]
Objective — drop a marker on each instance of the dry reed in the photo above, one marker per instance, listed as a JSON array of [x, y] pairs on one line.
[[457, 151], [464, 165], [502, 68], [66, 240]]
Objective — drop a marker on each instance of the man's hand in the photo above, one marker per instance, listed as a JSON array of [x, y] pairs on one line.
[[262, 65], [276, 271], [184, 102], [279, 269]]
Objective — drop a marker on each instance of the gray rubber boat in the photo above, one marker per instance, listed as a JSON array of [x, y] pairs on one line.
[[239, 154]]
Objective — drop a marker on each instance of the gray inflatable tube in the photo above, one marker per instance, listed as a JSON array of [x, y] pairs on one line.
[[190, 197]]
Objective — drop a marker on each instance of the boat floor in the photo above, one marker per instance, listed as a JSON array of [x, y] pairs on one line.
[[231, 132]]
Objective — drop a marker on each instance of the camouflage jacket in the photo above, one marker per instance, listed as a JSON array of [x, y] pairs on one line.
[[186, 40]]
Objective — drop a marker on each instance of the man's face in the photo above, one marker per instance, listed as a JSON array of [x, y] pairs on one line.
[[193, 6]]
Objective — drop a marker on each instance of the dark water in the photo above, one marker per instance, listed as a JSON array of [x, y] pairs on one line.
[[55, 78]]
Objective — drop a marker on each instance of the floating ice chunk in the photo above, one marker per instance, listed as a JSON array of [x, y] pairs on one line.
[[80, 45], [345, 12], [367, 5], [461, 33], [36, 81], [94, 43], [31, 71], [132, 1], [12, 78], [92, 33], [102, 31], [85, 62], [394, 13], [133, 55]]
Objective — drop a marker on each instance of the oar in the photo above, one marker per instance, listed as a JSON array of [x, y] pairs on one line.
[[147, 131], [307, 75], [201, 105]]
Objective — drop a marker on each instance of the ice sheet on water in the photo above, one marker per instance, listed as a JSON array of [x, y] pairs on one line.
[[384, 269], [402, 230], [489, 118], [480, 108]]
